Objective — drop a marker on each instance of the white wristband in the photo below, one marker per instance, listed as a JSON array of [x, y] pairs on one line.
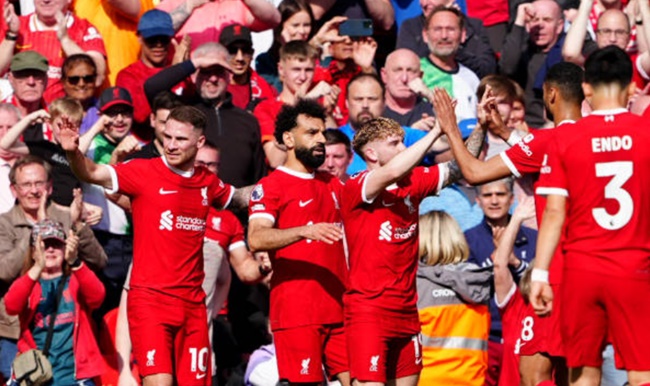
[[514, 138], [540, 275]]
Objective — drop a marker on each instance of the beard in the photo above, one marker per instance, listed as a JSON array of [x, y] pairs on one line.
[[308, 157]]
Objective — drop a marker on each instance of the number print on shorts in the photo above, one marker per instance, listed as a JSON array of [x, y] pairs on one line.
[[199, 359], [621, 172], [527, 332]]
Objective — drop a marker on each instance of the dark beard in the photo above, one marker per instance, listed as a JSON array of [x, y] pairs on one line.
[[307, 157]]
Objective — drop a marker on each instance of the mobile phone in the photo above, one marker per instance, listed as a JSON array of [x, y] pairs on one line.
[[356, 27]]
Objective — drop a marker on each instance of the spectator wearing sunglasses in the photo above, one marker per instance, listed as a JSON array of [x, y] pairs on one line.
[[247, 87], [155, 32], [78, 78]]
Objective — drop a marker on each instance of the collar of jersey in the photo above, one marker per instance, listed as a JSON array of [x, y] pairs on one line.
[[304, 176], [182, 173], [619, 110]]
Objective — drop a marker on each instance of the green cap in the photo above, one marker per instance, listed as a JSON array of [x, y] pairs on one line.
[[29, 60]]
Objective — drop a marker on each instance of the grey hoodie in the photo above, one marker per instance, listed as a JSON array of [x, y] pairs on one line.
[[453, 284]]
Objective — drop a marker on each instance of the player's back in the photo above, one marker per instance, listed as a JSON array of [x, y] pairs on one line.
[[604, 163]]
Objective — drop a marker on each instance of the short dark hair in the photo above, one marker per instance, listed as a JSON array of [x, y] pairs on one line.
[[608, 65], [567, 77], [335, 137], [29, 160], [74, 59], [191, 115], [165, 100], [287, 119], [443, 8], [364, 76]]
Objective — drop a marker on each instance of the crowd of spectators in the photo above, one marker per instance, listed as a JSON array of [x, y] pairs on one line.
[[117, 68]]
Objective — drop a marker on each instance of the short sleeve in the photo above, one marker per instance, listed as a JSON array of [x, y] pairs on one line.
[[89, 38], [222, 194], [527, 155], [264, 201], [353, 193], [552, 178], [427, 180], [127, 176]]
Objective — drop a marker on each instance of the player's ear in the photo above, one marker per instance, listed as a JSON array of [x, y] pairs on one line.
[[287, 138], [370, 154], [631, 90], [588, 91], [201, 141]]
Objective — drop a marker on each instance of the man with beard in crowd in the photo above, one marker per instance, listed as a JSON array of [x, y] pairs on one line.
[[294, 214]]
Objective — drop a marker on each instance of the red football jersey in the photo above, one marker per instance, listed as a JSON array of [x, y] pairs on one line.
[[309, 277], [224, 228], [382, 237], [169, 212], [266, 112], [528, 156], [32, 36], [602, 166], [515, 331]]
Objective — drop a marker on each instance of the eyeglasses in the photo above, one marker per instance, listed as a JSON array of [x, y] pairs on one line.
[[22, 75], [245, 49], [74, 80], [157, 40], [619, 33], [214, 70], [26, 186]]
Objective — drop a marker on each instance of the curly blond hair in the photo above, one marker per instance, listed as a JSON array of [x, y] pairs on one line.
[[376, 129]]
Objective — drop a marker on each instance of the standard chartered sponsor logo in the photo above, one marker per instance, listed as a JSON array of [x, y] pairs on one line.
[[166, 220], [385, 231], [185, 223]]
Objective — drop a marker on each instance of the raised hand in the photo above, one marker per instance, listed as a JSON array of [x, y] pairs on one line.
[[76, 208], [445, 114], [363, 52], [525, 209], [39, 116], [71, 247], [329, 32], [38, 254], [417, 86], [11, 19], [541, 297], [68, 135], [127, 146], [61, 25], [181, 49], [426, 123]]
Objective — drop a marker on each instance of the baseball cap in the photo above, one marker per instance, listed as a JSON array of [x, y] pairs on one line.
[[155, 23], [29, 60], [235, 33], [48, 229], [114, 96]]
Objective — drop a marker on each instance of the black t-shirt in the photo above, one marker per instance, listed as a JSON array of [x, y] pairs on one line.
[[414, 115], [63, 180], [148, 151]]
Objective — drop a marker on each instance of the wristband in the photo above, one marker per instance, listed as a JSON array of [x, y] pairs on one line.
[[76, 263], [514, 138], [11, 36], [540, 275]]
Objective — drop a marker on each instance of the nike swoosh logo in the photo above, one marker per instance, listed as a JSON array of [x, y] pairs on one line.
[[387, 205], [418, 361], [163, 191], [199, 376], [305, 203]]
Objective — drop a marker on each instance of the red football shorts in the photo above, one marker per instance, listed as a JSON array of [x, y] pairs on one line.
[[303, 351], [595, 305], [379, 351], [543, 334], [169, 336]]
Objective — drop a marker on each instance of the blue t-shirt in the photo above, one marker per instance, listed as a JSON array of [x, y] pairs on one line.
[[61, 354], [411, 136]]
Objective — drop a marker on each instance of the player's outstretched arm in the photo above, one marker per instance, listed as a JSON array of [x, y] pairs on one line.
[[247, 268], [541, 295], [400, 165], [241, 197], [466, 164], [262, 236], [503, 279], [84, 168]]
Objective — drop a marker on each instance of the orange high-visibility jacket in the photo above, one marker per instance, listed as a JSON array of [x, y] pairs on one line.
[[453, 306]]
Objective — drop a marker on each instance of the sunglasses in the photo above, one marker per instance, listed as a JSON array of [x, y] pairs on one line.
[[157, 40], [74, 80], [245, 49]]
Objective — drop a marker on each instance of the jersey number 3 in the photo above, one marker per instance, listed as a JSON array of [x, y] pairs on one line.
[[620, 173]]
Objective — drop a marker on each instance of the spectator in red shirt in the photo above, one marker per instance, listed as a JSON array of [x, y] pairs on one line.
[[247, 87], [55, 33], [155, 33]]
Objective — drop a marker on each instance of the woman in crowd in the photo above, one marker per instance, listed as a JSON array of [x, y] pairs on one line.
[[453, 300], [78, 76], [36, 296]]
